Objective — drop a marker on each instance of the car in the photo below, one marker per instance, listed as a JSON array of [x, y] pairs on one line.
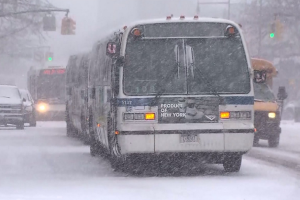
[[11, 106], [29, 108]]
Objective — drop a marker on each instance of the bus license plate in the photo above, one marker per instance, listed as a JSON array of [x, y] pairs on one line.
[[188, 138]]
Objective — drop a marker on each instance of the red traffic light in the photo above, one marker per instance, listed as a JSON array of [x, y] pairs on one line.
[[68, 26]]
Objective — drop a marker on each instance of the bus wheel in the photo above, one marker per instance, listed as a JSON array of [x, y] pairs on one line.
[[255, 141], [94, 148], [116, 159], [69, 129], [85, 135], [232, 163], [274, 141]]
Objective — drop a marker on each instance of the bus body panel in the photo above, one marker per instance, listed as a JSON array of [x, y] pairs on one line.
[[206, 143], [136, 144], [238, 142]]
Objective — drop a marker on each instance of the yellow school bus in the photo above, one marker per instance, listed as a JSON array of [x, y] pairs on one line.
[[266, 108]]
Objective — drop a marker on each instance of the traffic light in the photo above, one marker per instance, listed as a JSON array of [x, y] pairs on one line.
[[49, 56], [49, 23], [273, 30], [68, 26], [276, 30]]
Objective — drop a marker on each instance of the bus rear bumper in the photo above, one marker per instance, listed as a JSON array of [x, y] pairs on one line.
[[171, 142]]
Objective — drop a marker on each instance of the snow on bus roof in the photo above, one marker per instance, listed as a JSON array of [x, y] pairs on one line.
[[187, 19], [111, 32]]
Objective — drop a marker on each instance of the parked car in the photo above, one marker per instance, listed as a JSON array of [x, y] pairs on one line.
[[11, 106], [29, 108]]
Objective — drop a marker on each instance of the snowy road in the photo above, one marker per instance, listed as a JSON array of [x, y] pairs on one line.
[[288, 152], [42, 163]]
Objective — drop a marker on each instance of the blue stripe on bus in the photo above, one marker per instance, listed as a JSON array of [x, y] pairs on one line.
[[235, 100], [242, 100]]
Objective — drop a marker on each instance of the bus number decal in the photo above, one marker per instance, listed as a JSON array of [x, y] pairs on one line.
[[126, 102]]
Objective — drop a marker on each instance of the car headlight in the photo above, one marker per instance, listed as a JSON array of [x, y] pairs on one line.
[[42, 107], [272, 115]]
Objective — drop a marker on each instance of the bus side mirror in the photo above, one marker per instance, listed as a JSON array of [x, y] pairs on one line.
[[260, 76], [112, 49], [282, 94]]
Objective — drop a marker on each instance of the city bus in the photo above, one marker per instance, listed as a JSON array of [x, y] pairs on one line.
[[76, 100], [172, 89], [47, 87]]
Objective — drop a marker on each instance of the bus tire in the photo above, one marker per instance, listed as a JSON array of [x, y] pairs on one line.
[[84, 133], [94, 148], [232, 163], [255, 141], [70, 128], [274, 141], [116, 159]]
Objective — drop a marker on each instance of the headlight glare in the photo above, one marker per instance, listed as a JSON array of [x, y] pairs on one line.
[[42, 107]]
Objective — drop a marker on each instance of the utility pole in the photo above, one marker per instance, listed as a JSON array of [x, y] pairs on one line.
[[228, 3], [229, 9], [198, 8], [259, 28]]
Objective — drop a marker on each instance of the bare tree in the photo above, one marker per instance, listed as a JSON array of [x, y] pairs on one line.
[[21, 30], [257, 19], [284, 51]]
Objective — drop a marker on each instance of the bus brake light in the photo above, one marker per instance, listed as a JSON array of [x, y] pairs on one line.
[[150, 116], [224, 115]]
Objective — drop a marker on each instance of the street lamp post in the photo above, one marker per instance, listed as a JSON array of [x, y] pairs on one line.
[[228, 3]]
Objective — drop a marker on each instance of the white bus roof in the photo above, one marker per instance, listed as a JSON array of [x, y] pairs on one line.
[[172, 20], [186, 19]]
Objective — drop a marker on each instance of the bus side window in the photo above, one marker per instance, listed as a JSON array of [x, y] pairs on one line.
[[101, 95], [108, 95]]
